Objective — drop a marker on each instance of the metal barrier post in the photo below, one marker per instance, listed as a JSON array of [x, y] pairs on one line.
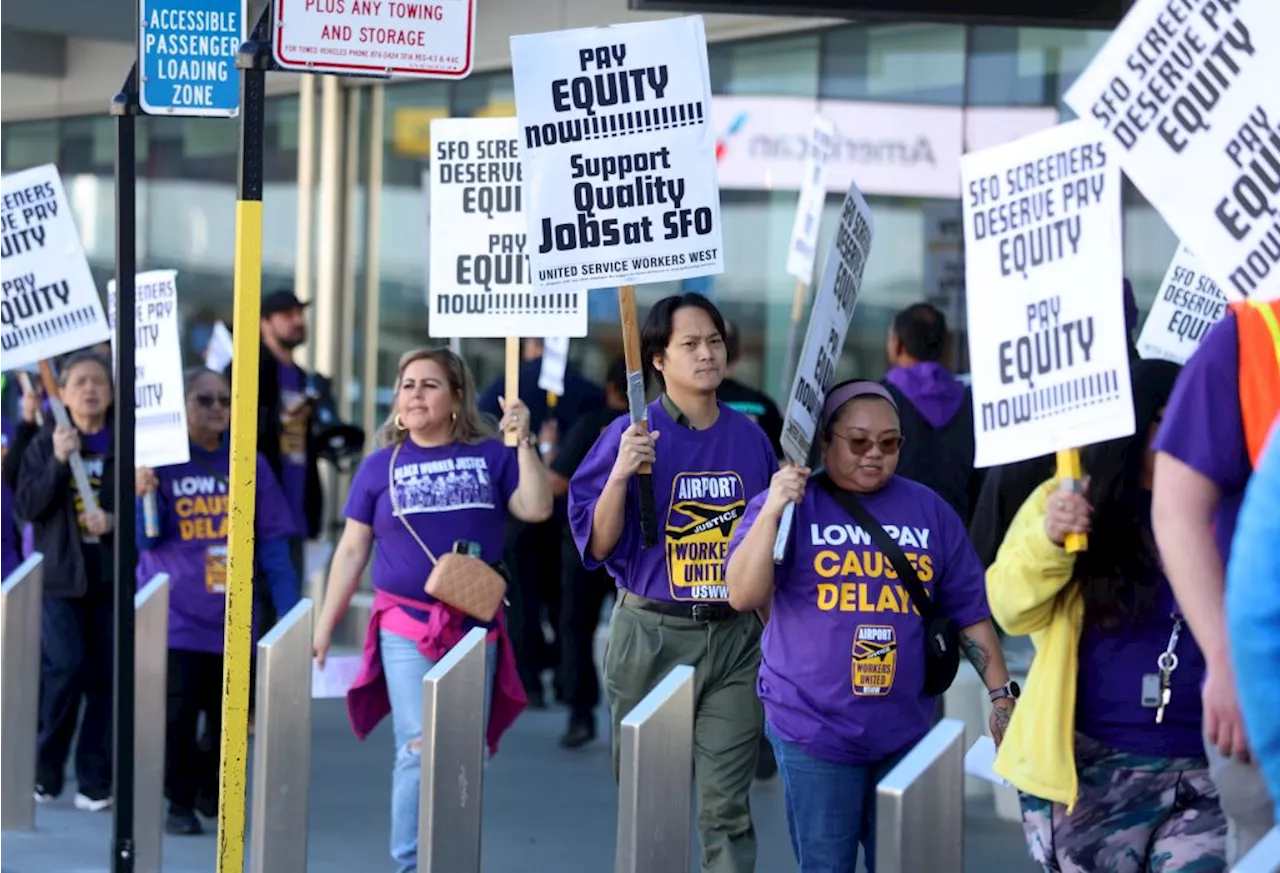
[[656, 744], [1262, 858], [282, 746], [150, 689], [450, 799], [21, 608], [924, 794]]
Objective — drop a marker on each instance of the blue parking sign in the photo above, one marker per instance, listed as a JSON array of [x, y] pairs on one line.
[[187, 57]]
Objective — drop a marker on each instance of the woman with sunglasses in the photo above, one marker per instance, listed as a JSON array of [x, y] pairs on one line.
[[192, 500], [842, 675]]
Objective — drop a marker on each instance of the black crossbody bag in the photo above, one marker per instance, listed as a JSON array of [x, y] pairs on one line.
[[941, 636]]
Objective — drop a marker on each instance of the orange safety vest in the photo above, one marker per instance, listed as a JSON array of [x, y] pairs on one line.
[[1258, 325]]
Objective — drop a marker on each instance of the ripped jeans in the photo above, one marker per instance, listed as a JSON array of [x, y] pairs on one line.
[[404, 668]]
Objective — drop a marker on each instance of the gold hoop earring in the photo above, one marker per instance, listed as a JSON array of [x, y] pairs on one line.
[[398, 423]]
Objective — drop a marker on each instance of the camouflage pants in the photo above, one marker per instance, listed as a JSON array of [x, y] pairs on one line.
[[1135, 814]]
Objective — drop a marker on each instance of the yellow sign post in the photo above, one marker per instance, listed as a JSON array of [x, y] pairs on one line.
[[1071, 478], [252, 61]]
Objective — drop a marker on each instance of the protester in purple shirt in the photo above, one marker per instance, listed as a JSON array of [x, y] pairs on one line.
[[193, 507], [1202, 470], [441, 483], [672, 608], [843, 672]]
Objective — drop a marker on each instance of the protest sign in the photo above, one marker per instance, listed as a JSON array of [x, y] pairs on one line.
[[555, 360], [159, 395], [813, 195], [618, 154], [828, 325], [1185, 91], [50, 303], [480, 283], [1043, 274], [1186, 306], [220, 350]]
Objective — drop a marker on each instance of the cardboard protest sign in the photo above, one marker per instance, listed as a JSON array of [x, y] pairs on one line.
[[1186, 306], [1043, 273], [833, 305], [159, 395], [813, 195], [49, 304], [618, 154], [480, 283], [1186, 94]]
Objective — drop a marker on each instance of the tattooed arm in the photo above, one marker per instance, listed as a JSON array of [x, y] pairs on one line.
[[981, 645]]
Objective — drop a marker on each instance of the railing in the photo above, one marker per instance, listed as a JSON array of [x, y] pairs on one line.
[[21, 602]]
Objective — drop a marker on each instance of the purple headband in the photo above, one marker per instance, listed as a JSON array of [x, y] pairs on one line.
[[842, 394]]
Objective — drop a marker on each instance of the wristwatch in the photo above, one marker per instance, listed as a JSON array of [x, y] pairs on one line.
[[1010, 690]]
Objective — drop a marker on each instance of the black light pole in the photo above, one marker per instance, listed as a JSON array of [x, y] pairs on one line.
[[124, 106]]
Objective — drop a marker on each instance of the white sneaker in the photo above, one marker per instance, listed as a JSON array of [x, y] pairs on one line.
[[92, 804], [43, 796]]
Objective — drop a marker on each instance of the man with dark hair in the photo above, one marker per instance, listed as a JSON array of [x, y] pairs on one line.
[[935, 407], [755, 405], [584, 590]]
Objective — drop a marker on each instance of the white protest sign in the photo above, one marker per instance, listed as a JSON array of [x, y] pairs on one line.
[[1186, 306], [833, 305], [431, 40], [480, 283], [1043, 271], [555, 360], [1186, 91], [160, 422], [50, 304], [220, 350], [813, 195], [618, 154]]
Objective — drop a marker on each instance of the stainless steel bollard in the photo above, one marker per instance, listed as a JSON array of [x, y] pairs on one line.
[[150, 689], [282, 746], [450, 799], [1262, 858], [924, 794], [21, 614], [655, 770]]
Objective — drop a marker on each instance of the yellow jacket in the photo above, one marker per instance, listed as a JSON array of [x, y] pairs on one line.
[[1024, 589]]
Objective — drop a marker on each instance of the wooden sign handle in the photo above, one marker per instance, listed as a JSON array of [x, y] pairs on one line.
[[512, 387]]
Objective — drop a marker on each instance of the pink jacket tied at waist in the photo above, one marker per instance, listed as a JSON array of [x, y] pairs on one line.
[[368, 702]]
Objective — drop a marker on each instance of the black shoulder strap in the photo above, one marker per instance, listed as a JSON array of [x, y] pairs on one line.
[[906, 573], [221, 477]]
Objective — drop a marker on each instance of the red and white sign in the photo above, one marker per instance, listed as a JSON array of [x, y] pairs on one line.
[[426, 40]]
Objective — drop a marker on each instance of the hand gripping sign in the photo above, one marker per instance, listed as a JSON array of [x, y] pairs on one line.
[[824, 341]]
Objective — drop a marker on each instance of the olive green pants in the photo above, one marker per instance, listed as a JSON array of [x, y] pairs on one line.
[[728, 719]]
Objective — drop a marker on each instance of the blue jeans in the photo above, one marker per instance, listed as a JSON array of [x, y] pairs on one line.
[[404, 668], [831, 808]]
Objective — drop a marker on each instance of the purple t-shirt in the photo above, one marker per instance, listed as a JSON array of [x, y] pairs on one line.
[[448, 493], [842, 669], [93, 450], [293, 447], [702, 480], [1203, 427], [11, 542], [192, 500], [1109, 685]]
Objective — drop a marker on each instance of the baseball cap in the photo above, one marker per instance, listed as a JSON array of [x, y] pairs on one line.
[[281, 301]]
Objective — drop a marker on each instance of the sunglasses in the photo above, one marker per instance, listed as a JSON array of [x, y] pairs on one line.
[[208, 401], [860, 445]]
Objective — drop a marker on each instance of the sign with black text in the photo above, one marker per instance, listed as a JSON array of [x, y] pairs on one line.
[[813, 196], [1043, 279], [159, 394], [1186, 306], [49, 304], [555, 360], [618, 154], [833, 306], [1185, 91], [480, 283]]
